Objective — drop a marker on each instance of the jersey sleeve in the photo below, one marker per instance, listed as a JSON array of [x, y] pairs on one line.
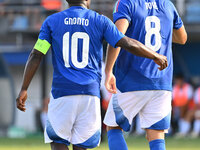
[[178, 23], [122, 10], [44, 40], [111, 34]]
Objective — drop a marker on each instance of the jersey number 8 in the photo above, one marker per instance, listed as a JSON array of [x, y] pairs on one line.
[[152, 31], [74, 49]]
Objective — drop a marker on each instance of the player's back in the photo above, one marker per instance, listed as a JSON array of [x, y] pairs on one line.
[[151, 22], [76, 37], [75, 41]]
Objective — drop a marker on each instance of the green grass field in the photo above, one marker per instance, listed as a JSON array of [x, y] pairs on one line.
[[36, 143]]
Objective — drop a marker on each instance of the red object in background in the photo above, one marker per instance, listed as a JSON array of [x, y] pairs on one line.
[[191, 104], [180, 95], [105, 101], [105, 104], [51, 4]]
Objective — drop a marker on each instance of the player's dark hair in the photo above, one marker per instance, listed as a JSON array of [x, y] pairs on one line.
[[74, 1]]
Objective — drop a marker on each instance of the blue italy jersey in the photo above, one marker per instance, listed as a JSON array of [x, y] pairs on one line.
[[76, 37], [151, 22]]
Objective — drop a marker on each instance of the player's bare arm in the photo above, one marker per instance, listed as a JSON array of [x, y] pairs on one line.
[[112, 53], [122, 26], [179, 35], [30, 69]]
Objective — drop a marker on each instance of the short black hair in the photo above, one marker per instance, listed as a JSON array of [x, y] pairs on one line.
[[74, 1]]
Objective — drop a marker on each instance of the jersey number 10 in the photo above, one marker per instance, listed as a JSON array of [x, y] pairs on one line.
[[152, 31], [74, 49]]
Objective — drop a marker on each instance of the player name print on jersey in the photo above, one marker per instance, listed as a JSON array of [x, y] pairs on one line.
[[150, 5], [76, 21], [77, 50]]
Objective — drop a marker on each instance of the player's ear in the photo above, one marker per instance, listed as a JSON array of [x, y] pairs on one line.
[[88, 3]]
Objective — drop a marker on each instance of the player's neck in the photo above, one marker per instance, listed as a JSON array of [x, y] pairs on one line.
[[79, 4]]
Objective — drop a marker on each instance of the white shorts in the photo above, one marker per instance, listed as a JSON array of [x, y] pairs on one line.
[[74, 119], [154, 108]]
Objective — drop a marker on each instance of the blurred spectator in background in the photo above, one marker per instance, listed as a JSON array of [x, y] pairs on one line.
[[196, 126], [36, 19], [3, 20], [43, 114], [21, 21], [193, 11], [31, 2], [51, 6], [182, 97], [2, 2]]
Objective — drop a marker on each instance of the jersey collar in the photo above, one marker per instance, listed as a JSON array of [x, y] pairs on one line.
[[77, 7]]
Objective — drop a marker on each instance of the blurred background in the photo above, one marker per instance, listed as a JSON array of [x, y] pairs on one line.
[[20, 21]]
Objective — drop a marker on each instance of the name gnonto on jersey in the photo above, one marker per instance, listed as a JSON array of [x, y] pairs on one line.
[[76, 21], [150, 5]]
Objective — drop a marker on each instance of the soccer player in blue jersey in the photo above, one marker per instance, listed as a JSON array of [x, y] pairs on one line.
[[142, 88], [76, 37]]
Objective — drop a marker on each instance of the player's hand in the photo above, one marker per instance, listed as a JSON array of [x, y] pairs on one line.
[[161, 61], [21, 99], [110, 83]]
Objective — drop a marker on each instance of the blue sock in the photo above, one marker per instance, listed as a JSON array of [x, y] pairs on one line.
[[116, 140], [158, 144]]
